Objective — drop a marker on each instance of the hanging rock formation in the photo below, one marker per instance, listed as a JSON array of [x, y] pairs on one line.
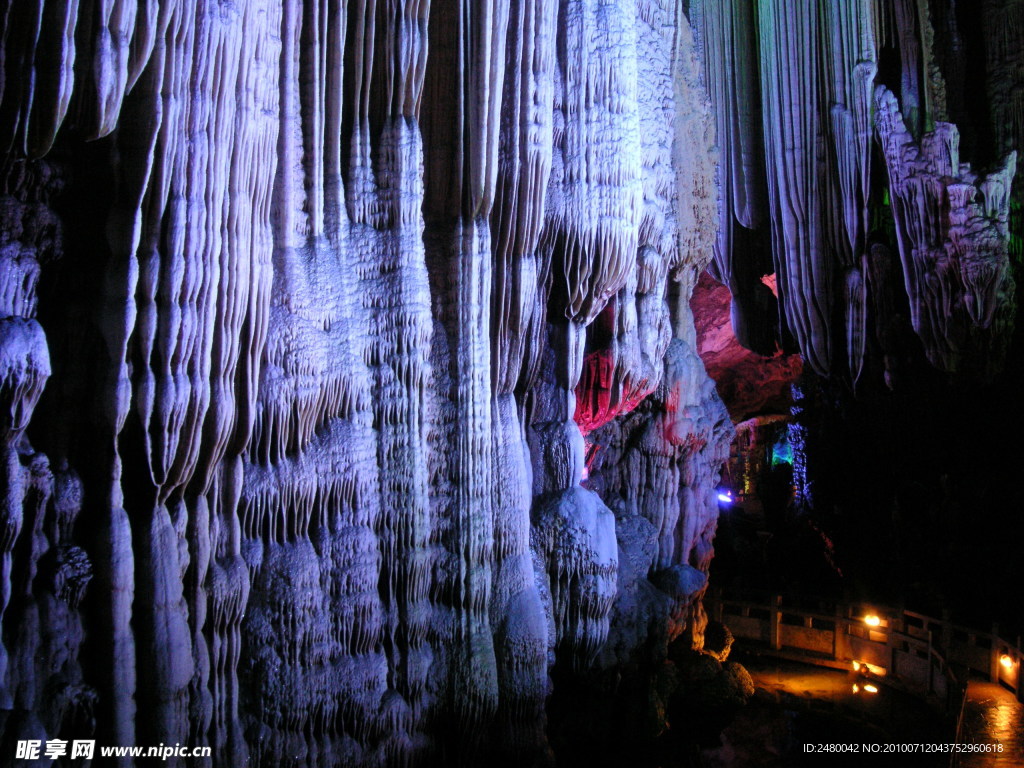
[[795, 91], [306, 308], [953, 236], [350, 390]]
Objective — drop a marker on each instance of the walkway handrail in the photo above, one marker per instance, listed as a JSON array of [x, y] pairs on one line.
[[985, 653], [908, 650]]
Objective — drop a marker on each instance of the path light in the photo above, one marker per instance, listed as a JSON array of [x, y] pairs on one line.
[[867, 668], [871, 688], [725, 497], [872, 620], [856, 688], [1006, 661]]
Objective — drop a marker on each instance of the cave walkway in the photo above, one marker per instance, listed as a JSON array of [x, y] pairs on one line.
[[972, 679], [992, 715]]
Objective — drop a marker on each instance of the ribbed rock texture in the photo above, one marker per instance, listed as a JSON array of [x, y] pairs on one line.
[[833, 120], [305, 309], [350, 391]]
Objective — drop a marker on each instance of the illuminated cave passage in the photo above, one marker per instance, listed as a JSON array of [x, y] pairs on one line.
[[352, 396]]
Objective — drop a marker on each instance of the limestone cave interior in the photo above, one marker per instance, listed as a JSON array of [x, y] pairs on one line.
[[454, 382]]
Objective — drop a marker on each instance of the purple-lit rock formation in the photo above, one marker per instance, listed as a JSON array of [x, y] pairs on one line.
[[350, 390], [800, 89], [309, 287], [953, 236]]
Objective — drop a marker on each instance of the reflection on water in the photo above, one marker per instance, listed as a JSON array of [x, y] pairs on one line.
[[799, 711], [993, 716], [797, 705]]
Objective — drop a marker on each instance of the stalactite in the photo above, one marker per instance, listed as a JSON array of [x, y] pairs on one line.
[[596, 194], [728, 34], [1004, 62], [374, 405], [922, 88], [818, 65], [790, 65], [518, 318], [850, 51]]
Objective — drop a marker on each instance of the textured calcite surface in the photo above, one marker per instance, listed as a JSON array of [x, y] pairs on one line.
[[349, 386], [838, 144], [307, 306]]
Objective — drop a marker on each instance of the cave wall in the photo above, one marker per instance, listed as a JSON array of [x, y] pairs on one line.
[[839, 130], [304, 305], [350, 388], [868, 160]]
